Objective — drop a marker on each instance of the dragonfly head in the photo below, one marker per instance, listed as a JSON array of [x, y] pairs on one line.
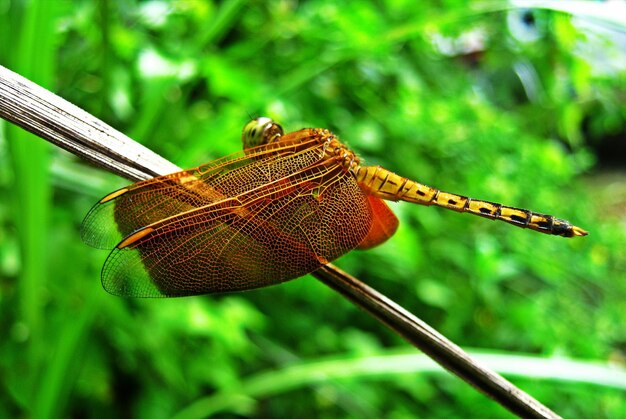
[[261, 131]]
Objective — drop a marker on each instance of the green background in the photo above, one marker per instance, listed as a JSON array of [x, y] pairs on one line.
[[505, 104]]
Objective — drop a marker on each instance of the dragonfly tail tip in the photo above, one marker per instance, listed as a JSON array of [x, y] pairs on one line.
[[577, 231]]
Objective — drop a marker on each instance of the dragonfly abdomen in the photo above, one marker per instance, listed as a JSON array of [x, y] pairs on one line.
[[387, 185]]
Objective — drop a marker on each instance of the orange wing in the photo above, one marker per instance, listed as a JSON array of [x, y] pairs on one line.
[[143, 203], [281, 231], [254, 219], [384, 224]]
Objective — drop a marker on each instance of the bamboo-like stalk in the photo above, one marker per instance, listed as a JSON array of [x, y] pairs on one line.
[[44, 114]]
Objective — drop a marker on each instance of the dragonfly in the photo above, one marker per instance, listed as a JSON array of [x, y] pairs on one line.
[[281, 208]]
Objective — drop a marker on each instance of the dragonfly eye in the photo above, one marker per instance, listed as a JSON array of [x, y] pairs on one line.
[[261, 131]]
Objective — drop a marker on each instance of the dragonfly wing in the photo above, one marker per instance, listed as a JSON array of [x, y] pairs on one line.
[[384, 224], [128, 209], [122, 212], [269, 235]]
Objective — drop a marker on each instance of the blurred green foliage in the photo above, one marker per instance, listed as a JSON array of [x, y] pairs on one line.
[[500, 104]]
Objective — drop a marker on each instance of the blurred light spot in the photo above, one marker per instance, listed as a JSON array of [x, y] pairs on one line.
[[522, 25], [152, 64], [198, 317], [20, 332], [466, 43], [120, 103], [154, 13]]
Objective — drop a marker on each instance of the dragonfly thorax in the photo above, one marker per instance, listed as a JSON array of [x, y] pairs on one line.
[[337, 150], [263, 130]]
